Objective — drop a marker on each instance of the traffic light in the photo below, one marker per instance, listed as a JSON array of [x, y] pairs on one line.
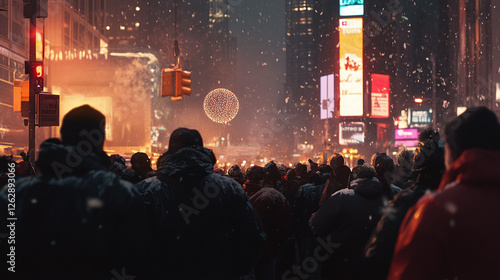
[[175, 83], [183, 83], [37, 73], [168, 82]]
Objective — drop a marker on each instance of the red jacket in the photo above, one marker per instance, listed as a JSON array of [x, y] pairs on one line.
[[454, 233]]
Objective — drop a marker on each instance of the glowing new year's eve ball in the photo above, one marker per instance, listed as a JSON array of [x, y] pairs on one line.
[[221, 105]]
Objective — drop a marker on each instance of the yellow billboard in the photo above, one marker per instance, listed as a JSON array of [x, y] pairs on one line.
[[351, 66]]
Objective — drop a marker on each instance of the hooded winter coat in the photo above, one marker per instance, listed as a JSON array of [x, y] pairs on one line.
[[306, 203], [205, 226], [379, 249], [77, 222], [275, 214], [453, 232], [348, 218]]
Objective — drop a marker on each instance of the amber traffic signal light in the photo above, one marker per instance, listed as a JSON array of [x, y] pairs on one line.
[[175, 83]]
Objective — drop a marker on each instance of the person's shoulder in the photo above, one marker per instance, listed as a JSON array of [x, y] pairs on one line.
[[149, 185], [105, 181]]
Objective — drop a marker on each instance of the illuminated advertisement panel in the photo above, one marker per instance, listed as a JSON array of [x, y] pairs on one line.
[[406, 143], [351, 67], [406, 133], [419, 117], [327, 96], [380, 96], [351, 133], [351, 7]]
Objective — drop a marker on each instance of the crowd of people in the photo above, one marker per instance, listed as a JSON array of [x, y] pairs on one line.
[[81, 214]]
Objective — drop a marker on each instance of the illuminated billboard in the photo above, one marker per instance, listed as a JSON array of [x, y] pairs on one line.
[[351, 7], [351, 133], [380, 96], [406, 143], [419, 117], [351, 66], [327, 90], [406, 133]]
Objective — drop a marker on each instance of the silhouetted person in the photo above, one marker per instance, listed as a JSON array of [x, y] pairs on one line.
[[453, 232], [77, 220], [141, 165], [347, 218], [428, 168], [204, 224]]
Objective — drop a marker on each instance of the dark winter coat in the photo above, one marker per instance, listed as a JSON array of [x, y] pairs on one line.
[[205, 226], [275, 214], [331, 186], [348, 218], [306, 203], [85, 223], [453, 232], [380, 247]]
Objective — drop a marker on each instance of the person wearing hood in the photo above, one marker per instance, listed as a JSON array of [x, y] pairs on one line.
[[204, 224], [339, 177], [347, 218], [428, 167], [306, 203], [76, 220], [452, 233], [384, 166], [235, 173], [275, 214]]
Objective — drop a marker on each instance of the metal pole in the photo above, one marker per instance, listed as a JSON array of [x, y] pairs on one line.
[[32, 94], [434, 113]]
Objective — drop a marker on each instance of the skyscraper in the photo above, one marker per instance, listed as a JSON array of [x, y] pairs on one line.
[[302, 65]]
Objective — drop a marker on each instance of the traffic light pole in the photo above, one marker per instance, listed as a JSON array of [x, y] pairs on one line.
[[31, 124]]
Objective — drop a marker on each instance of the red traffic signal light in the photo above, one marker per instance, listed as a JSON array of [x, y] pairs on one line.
[[39, 71], [37, 74]]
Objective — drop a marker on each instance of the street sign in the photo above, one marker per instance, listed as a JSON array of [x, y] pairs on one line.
[[48, 109]]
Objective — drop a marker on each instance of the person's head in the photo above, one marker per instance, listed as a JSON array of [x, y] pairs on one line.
[[429, 133], [363, 171], [324, 168], [140, 163], [184, 137], [382, 163], [343, 173], [255, 174], [405, 160], [429, 157], [271, 173], [361, 161], [46, 155], [300, 169], [235, 173], [118, 159], [475, 128], [336, 161], [84, 127]]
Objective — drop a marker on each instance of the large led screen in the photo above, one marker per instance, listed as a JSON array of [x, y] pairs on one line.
[[380, 96], [351, 67], [351, 7], [327, 91], [351, 133]]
